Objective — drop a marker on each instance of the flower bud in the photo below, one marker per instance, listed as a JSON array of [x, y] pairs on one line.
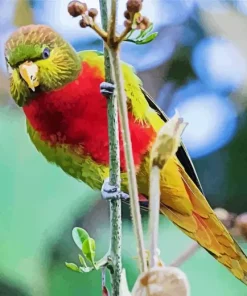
[[93, 12], [76, 8], [127, 15], [127, 23], [168, 140], [134, 5], [83, 23]]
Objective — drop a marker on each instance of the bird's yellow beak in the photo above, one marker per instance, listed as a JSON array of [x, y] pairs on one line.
[[29, 72]]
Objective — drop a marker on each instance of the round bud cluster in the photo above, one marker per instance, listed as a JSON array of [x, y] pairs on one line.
[[76, 8], [133, 17], [93, 12], [83, 23]]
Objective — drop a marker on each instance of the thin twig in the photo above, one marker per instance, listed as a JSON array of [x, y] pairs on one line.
[[154, 208], [186, 255], [112, 23], [98, 30], [164, 147], [115, 204], [122, 36], [133, 191]]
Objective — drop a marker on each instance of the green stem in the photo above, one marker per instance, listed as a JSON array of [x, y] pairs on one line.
[[113, 132], [132, 183]]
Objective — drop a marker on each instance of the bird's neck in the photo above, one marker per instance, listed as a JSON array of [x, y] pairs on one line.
[[65, 114]]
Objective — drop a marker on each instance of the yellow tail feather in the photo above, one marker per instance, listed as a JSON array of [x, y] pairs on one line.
[[201, 224]]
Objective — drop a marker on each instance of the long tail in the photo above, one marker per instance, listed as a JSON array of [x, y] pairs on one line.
[[203, 226]]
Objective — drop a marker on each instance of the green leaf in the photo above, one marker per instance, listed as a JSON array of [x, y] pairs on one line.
[[131, 40], [82, 261], [149, 38], [72, 266], [79, 236], [88, 249], [146, 32], [86, 269], [129, 34]]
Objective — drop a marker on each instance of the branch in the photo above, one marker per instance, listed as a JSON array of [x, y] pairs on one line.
[[98, 30], [154, 208], [115, 204], [111, 54], [122, 36], [133, 191], [112, 23], [186, 255], [164, 148]]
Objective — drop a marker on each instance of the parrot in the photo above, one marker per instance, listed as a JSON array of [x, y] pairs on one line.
[[60, 93]]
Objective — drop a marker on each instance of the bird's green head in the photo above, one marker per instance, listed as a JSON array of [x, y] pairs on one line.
[[38, 60]]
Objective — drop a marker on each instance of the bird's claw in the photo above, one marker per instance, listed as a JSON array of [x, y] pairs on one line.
[[107, 89], [109, 191]]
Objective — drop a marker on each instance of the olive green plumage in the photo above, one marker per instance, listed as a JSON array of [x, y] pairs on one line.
[[28, 44]]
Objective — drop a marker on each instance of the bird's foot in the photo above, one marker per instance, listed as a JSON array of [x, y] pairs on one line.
[[109, 191], [107, 89]]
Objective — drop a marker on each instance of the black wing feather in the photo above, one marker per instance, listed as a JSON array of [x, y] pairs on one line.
[[182, 153]]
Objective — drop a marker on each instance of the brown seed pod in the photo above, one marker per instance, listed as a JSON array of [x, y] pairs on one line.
[[93, 12], [76, 8], [127, 15], [134, 5], [83, 23]]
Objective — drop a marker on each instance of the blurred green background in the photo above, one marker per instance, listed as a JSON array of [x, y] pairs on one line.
[[198, 65]]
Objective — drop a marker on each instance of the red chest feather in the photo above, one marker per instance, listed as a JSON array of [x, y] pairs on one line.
[[77, 115]]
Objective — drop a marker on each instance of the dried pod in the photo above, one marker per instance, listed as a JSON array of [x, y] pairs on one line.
[[83, 23], [127, 23], [241, 224], [134, 5], [127, 15], [93, 12], [160, 281], [76, 8], [168, 140]]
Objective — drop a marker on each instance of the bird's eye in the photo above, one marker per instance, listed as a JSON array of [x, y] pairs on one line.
[[46, 53]]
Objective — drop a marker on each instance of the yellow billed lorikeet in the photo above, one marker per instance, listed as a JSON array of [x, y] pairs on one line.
[[59, 91]]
